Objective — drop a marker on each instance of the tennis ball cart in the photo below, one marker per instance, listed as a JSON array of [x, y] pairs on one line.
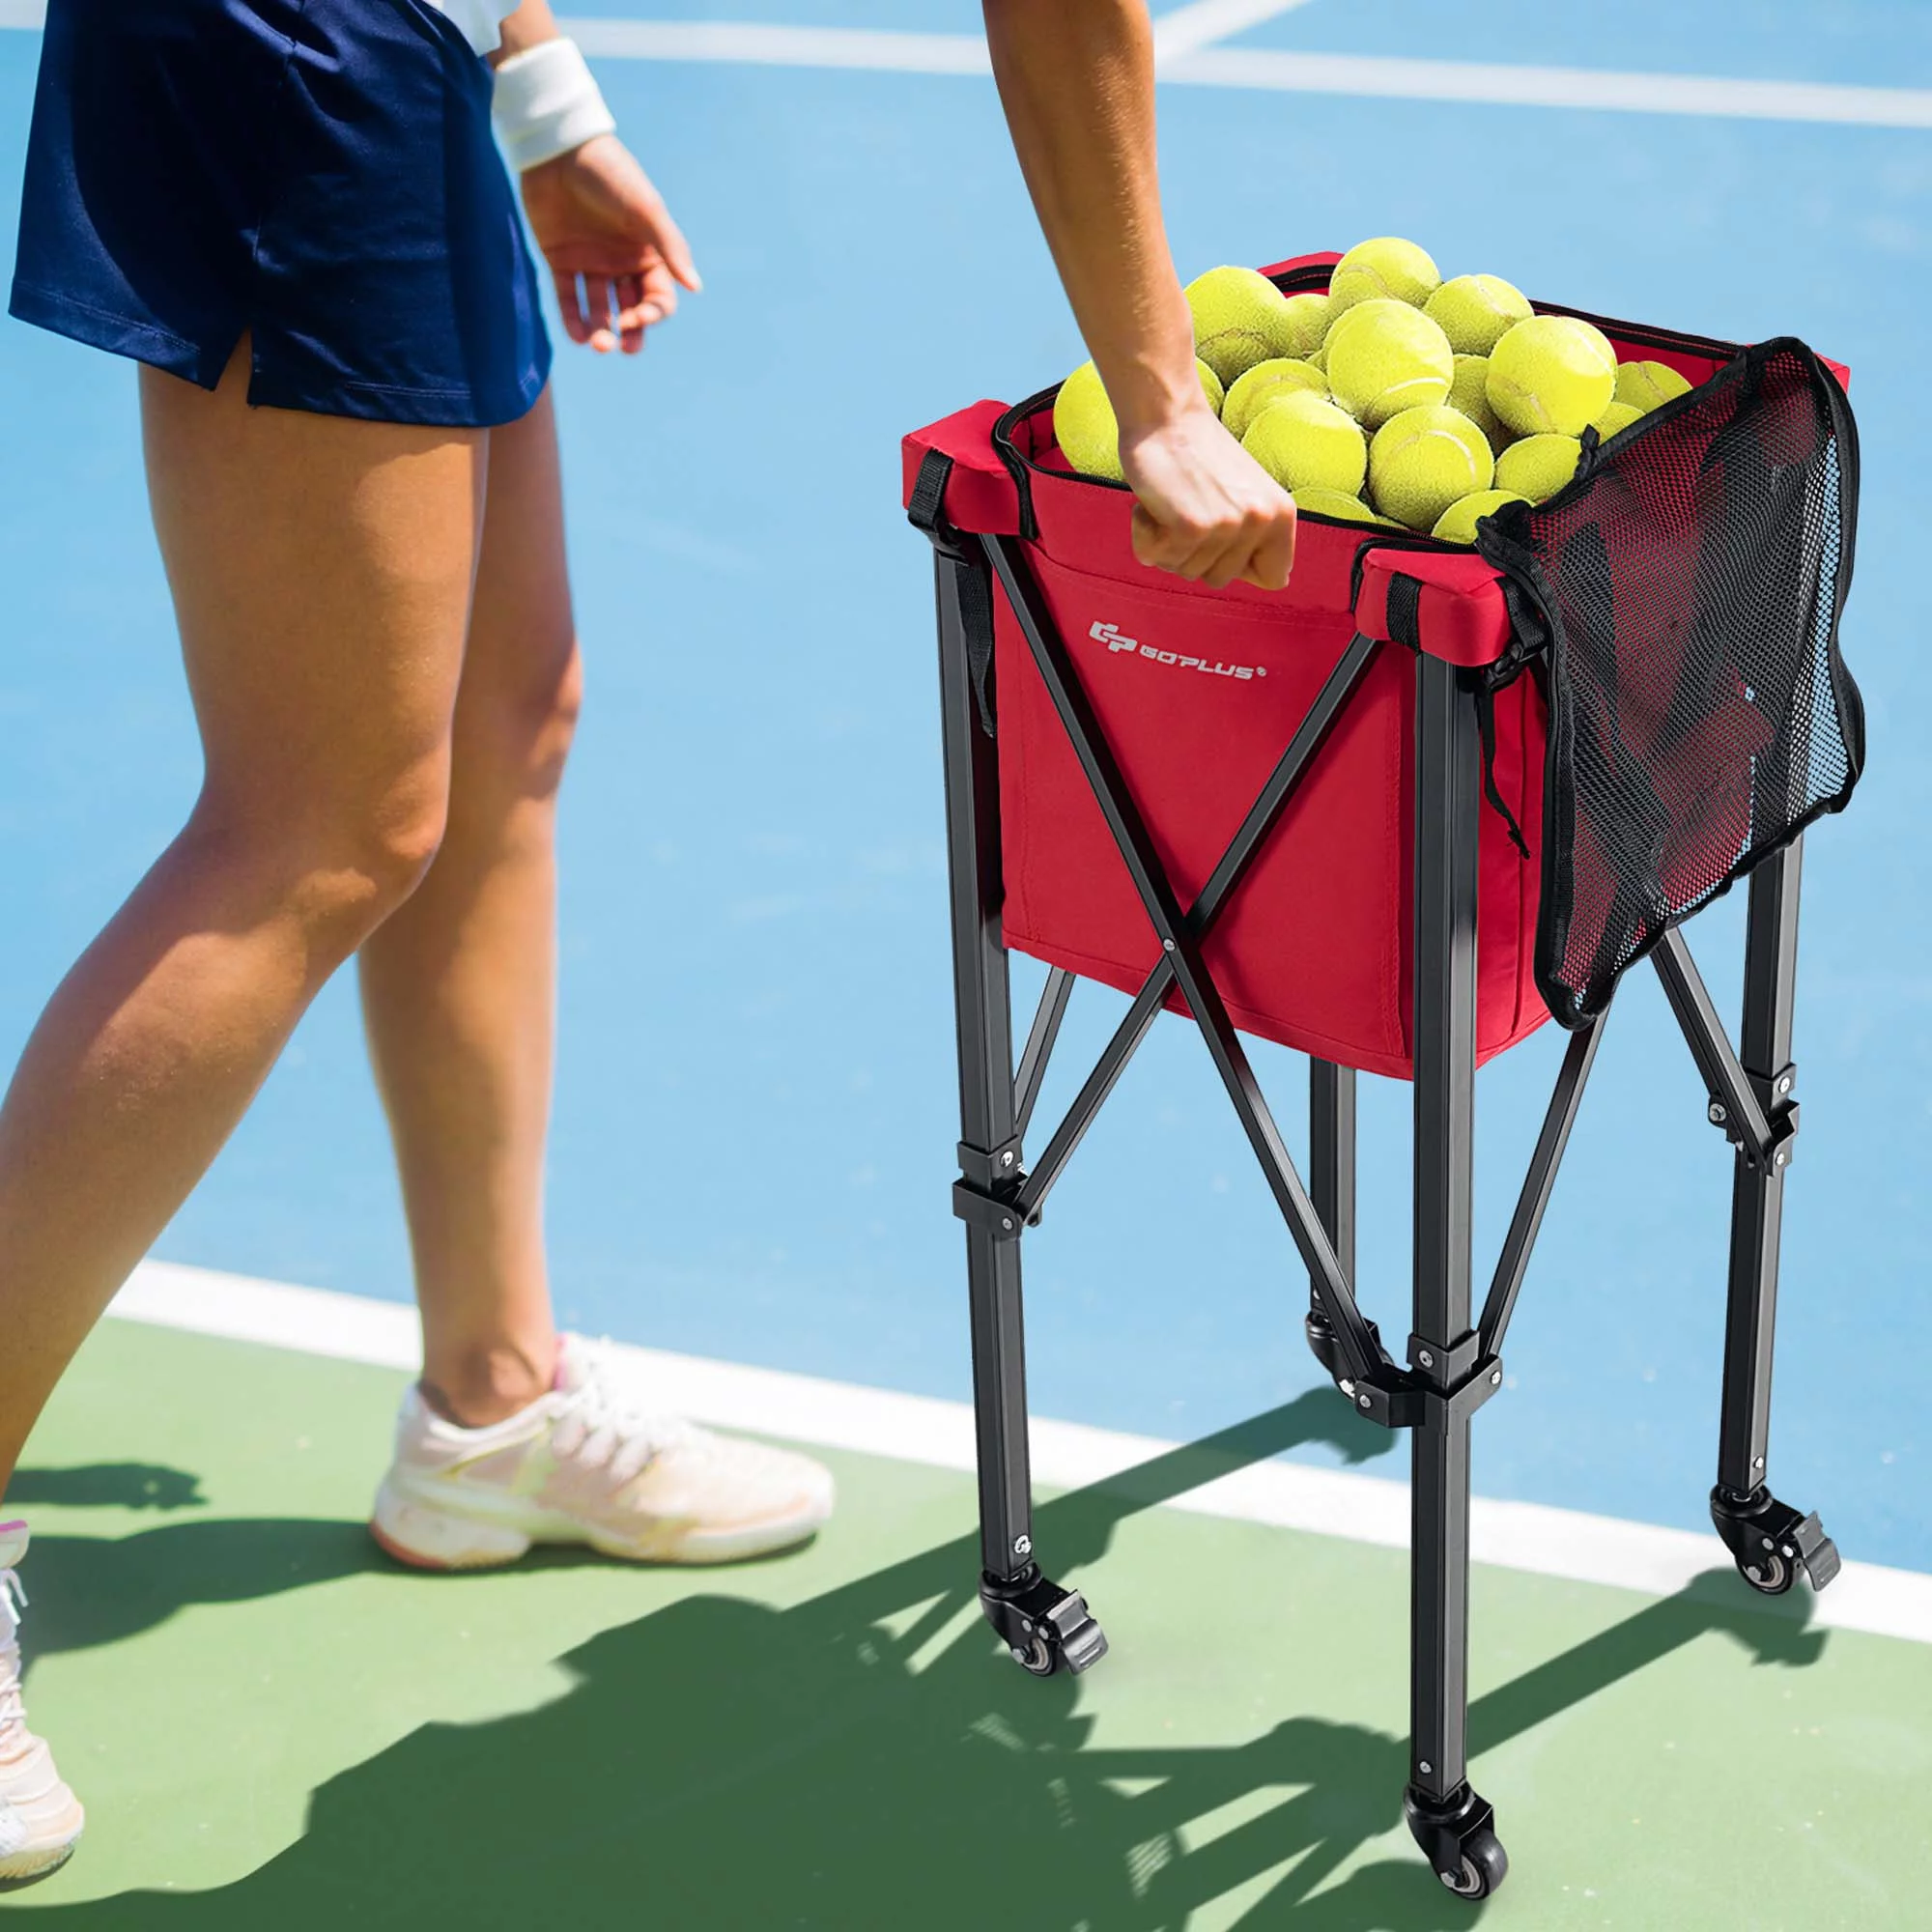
[[1394, 817]]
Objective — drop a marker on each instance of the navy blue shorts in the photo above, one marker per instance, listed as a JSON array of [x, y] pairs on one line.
[[318, 173]]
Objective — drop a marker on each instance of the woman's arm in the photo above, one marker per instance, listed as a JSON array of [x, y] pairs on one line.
[[615, 254], [530, 24], [1076, 77]]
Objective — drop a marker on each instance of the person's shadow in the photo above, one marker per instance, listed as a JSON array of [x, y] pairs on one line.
[[865, 1759]]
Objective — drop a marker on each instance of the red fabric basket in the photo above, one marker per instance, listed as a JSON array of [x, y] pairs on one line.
[[1198, 692]]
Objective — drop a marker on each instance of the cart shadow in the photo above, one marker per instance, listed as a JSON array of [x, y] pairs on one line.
[[137, 1486], [865, 1760]]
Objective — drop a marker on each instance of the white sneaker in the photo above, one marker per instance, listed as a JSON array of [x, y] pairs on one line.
[[584, 1465], [40, 1817]]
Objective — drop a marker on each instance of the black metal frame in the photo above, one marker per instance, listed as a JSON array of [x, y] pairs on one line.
[[1452, 1355]]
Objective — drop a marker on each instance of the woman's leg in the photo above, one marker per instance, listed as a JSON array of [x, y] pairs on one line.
[[322, 573], [459, 988]]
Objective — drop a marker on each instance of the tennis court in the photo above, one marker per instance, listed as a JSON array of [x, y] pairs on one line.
[[756, 1115]]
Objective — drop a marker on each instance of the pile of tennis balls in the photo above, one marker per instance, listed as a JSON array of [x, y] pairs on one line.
[[1397, 398]]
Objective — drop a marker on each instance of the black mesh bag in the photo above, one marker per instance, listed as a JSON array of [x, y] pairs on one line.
[[1681, 599]]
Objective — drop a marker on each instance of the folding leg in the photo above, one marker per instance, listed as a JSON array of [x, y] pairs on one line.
[[1770, 1539], [1331, 1186], [1043, 1625], [1451, 1824]]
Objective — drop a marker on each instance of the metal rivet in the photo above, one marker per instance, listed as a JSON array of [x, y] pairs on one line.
[[1007, 1159], [1757, 1463], [1784, 1084], [1497, 1378], [1717, 1114], [1023, 1546], [1427, 1360], [1424, 1768], [1767, 1543], [1364, 1400], [1781, 1157], [1005, 1223], [1789, 1552], [1168, 944]]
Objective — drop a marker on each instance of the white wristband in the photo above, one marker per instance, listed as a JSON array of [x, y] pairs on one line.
[[546, 103]]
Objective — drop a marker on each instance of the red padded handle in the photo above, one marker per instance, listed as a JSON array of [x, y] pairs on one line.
[[980, 495], [1461, 615]]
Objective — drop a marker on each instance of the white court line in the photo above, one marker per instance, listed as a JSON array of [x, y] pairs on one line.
[[1372, 76], [1386, 79], [1269, 69], [760, 45], [917, 1429], [1202, 22]]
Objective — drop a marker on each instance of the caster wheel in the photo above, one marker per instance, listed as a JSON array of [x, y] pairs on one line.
[[1036, 1657], [1483, 1866], [1770, 1577]]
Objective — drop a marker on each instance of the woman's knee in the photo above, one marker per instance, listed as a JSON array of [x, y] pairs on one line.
[[515, 728], [340, 864]]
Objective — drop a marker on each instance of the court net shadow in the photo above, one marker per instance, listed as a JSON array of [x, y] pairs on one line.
[[867, 1759]]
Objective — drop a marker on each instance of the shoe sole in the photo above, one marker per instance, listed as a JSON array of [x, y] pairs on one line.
[[422, 1538], [30, 1867]]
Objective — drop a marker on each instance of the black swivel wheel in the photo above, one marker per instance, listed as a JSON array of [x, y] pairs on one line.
[[1457, 1837], [1770, 1575], [1484, 1865], [1037, 1656]]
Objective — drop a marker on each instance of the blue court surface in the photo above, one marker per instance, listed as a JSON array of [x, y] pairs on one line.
[[756, 1106]]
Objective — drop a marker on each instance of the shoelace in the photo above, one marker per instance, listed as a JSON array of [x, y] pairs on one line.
[[615, 1428], [12, 1700]]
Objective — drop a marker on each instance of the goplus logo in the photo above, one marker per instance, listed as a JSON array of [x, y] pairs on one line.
[[1115, 639]]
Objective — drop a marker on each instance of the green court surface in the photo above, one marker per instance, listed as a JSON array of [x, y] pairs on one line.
[[274, 1728]]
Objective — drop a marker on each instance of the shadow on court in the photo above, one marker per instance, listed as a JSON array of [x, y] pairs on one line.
[[137, 1486], [866, 1760]]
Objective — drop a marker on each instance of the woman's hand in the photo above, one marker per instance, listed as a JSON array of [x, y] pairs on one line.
[[616, 254], [1207, 510]]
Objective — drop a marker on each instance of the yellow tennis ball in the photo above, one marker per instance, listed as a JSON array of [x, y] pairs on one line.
[[1458, 523], [1383, 357], [1084, 424], [1305, 443], [1307, 322], [1468, 391], [1386, 267], [1241, 318], [1618, 416], [1211, 385], [1317, 358], [1474, 311], [1424, 460], [1643, 385], [1321, 502], [1539, 465], [1551, 374], [1255, 388]]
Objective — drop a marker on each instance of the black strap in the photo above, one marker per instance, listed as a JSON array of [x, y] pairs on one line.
[[1405, 627], [927, 513], [928, 494], [1405, 609], [1486, 729], [976, 614]]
